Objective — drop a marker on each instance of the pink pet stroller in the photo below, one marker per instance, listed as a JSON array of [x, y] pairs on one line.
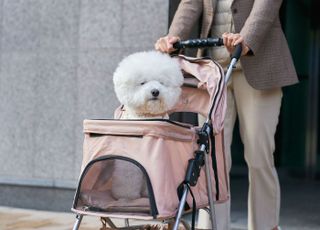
[[182, 166]]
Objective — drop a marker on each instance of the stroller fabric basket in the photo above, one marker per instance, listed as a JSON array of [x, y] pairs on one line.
[[159, 149], [154, 155]]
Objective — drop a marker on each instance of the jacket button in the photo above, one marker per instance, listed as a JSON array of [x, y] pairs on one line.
[[235, 11]]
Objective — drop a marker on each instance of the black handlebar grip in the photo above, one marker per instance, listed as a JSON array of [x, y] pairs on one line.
[[198, 43], [237, 52]]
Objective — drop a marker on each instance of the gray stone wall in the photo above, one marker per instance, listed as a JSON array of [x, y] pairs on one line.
[[57, 60]]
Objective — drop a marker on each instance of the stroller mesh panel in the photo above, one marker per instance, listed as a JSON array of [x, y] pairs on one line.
[[115, 184]]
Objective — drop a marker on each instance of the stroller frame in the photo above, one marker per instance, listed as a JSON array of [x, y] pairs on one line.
[[194, 165]]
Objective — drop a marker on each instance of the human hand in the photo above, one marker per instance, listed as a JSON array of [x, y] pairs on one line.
[[165, 44], [230, 40]]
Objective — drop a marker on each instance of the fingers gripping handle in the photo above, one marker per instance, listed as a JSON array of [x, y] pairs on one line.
[[198, 43]]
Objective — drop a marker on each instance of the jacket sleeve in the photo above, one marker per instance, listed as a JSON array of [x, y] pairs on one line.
[[259, 22], [185, 17]]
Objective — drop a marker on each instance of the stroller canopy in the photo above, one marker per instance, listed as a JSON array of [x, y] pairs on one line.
[[204, 90]]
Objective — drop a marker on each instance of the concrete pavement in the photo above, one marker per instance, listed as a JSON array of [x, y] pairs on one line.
[[300, 210], [25, 219]]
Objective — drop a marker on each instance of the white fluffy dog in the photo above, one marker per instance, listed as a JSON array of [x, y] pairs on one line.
[[148, 84]]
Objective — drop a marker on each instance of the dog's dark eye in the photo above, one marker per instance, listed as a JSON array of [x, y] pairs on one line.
[[142, 83]]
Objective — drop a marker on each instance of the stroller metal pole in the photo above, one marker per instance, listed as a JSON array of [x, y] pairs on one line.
[[78, 222], [209, 186], [229, 70], [234, 58], [126, 222], [181, 207]]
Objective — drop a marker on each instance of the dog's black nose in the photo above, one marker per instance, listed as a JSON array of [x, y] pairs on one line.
[[155, 92]]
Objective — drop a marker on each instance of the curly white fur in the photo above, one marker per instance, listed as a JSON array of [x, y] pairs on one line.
[[140, 76], [148, 84]]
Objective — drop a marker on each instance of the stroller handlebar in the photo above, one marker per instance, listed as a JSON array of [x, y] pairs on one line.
[[207, 42], [198, 43]]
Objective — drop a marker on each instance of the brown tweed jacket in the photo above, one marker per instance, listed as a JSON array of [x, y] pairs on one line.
[[258, 22]]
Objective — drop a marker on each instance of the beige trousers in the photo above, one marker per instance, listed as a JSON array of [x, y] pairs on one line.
[[258, 112]]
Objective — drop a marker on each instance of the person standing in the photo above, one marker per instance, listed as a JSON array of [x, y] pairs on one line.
[[254, 91]]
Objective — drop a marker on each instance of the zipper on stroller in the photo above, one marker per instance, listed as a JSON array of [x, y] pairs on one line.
[[117, 135], [162, 120]]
